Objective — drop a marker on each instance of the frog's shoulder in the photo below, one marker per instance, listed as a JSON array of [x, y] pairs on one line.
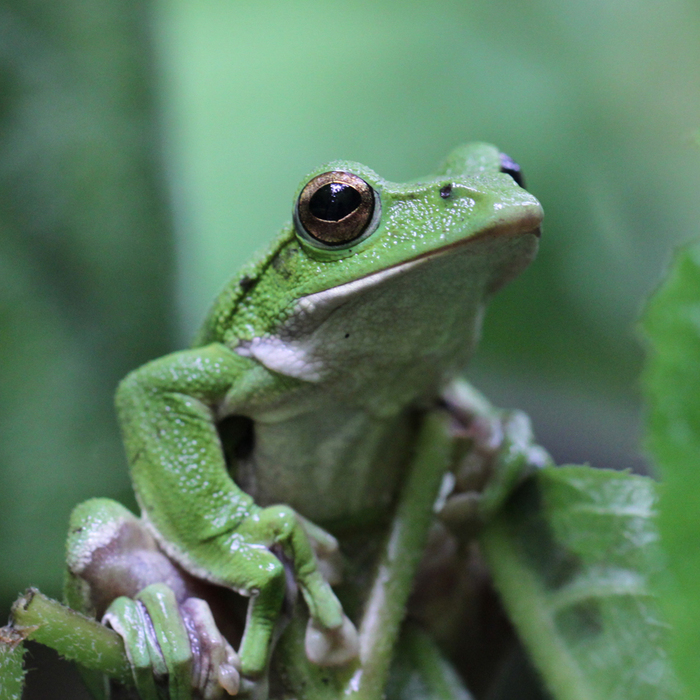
[[220, 318]]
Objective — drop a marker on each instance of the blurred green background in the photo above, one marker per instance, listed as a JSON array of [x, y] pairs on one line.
[[147, 149]]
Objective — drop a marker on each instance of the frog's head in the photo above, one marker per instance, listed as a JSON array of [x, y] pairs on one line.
[[389, 279], [351, 223]]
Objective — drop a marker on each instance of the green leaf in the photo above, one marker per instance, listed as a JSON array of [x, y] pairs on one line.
[[672, 388], [572, 556], [11, 669]]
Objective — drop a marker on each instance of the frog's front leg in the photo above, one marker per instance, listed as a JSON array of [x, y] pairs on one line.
[[496, 450], [117, 573], [168, 411]]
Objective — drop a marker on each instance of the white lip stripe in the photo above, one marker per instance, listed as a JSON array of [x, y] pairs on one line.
[[284, 358]]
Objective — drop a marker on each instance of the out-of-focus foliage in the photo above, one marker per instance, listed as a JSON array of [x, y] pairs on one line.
[[672, 389], [573, 556], [85, 264]]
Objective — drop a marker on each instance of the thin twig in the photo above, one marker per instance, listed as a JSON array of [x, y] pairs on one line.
[[71, 634]]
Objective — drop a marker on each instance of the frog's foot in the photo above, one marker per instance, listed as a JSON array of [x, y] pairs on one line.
[[279, 528], [331, 647], [178, 647], [331, 638], [496, 452]]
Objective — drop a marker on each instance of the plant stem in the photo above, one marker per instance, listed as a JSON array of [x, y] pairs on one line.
[[71, 634], [11, 667], [386, 603], [528, 607]]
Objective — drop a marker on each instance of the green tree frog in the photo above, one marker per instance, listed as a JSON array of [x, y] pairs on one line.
[[293, 416]]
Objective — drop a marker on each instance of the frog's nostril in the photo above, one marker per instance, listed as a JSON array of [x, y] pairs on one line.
[[510, 167]]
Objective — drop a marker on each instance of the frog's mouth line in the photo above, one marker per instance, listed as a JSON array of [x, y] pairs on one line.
[[525, 225], [530, 224]]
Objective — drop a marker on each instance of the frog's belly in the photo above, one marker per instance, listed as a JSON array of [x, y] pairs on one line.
[[329, 463]]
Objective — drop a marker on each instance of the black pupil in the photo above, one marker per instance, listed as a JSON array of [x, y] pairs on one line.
[[334, 201]]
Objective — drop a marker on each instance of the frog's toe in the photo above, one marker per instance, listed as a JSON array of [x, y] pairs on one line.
[[169, 642], [126, 617], [216, 665], [331, 647], [326, 549]]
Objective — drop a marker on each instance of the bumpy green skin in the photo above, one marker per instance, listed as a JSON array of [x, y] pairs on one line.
[[330, 357]]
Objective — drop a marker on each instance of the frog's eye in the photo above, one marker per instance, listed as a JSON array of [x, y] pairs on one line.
[[336, 209], [510, 167]]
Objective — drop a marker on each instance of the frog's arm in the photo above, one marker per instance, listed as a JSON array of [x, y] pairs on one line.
[[168, 411]]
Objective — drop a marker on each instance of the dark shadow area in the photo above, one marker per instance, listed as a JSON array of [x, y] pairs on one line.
[[50, 677]]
